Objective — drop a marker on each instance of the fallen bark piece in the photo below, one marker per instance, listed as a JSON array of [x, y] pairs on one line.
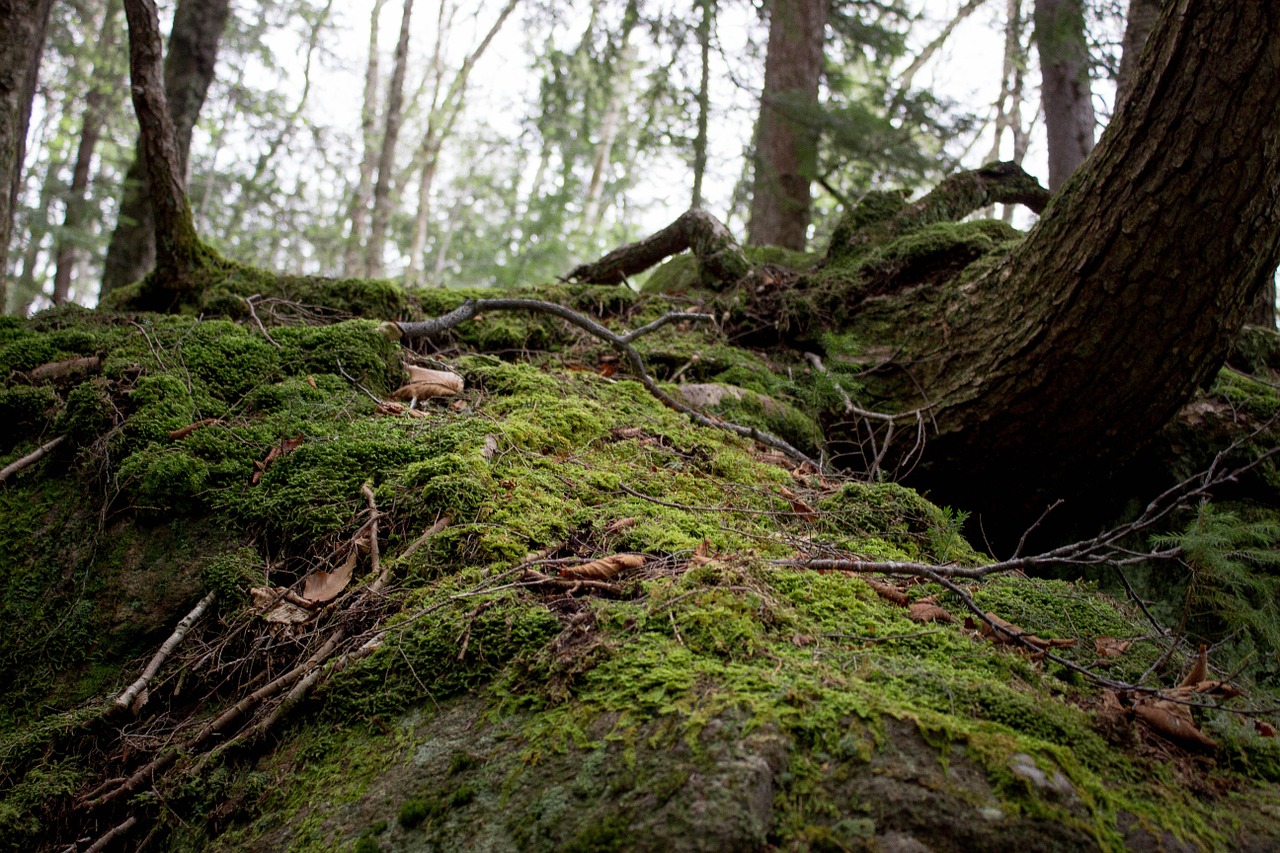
[[69, 367], [602, 570]]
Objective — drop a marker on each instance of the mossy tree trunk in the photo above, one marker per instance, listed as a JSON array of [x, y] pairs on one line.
[[1065, 90], [1052, 366]]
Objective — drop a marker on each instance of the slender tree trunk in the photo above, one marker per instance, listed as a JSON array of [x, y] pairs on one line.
[[1012, 80], [786, 146], [177, 247], [706, 24], [1065, 90], [102, 86], [358, 209], [440, 123], [22, 30], [619, 93], [382, 190], [188, 71], [1141, 19]]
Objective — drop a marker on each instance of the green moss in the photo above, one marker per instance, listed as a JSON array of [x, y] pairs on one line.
[[89, 412], [24, 409]]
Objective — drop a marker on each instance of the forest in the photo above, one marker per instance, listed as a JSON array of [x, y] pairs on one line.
[[610, 425]]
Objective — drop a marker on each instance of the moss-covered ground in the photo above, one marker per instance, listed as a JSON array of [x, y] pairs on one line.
[[710, 699]]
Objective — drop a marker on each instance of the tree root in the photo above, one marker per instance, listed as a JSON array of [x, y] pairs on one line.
[[721, 261]]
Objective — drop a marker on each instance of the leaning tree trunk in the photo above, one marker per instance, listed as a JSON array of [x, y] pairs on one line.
[[188, 73], [22, 28], [1139, 22], [1065, 91], [786, 144], [1058, 363]]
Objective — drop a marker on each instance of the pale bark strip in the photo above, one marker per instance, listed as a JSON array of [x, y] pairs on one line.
[[440, 124], [358, 209], [30, 459], [125, 699], [382, 190]]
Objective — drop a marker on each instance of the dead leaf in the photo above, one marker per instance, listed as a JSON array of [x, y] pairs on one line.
[[602, 570], [704, 548], [1199, 669], [1003, 637], [324, 586], [1264, 728], [398, 409], [1172, 722], [923, 611], [425, 383], [284, 448], [1110, 647], [888, 592], [311, 380], [798, 506], [490, 448], [621, 524]]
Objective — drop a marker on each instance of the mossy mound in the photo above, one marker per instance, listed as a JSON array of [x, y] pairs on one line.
[[710, 698]]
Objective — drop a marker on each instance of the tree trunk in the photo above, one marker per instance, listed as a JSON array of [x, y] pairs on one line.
[[706, 23], [1009, 104], [1050, 368], [102, 85], [358, 209], [188, 72], [1065, 91], [1141, 19], [786, 148], [177, 249], [382, 198], [22, 29]]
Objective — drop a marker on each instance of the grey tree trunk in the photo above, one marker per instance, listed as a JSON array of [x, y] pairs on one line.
[[358, 209], [102, 85], [1065, 90], [786, 145], [706, 24], [1141, 19], [382, 190], [188, 72], [22, 29]]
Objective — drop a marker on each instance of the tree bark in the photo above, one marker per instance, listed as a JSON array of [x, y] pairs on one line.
[[177, 249], [358, 209], [786, 148], [188, 72], [1065, 90], [706, 24], [22, 30], [1141, 19], [102, 85], [382, 197], [1049, 369]]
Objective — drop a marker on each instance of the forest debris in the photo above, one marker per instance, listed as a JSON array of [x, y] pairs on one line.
[[622, 524], [1172, 721], [179, 434], [1011, 633], [1110, 647], [397, 409], [927, 611], [798, 506], [603, 569], [1198, 670], [67, 367], [281, 611], [888, 592], [1263, 728], [284, 448], [425, 383], [324, 586], [137, 690], [30, 459]]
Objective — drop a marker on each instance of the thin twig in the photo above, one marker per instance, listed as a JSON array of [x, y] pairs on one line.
[[125, 699], [30, 459], [254, 315]]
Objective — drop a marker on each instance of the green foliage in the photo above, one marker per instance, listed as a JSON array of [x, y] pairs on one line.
[[1233, 584]]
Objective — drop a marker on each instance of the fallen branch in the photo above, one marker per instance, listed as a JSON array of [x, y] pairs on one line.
[[621, 343], [375, 560], [125, 700], [721, 261], [111, 835], [30, 459], [440, 525]]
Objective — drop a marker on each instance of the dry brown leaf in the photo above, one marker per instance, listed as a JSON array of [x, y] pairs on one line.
[[1172, 722], [1001, 637], [398, 409], [284, 448], [325, 586], [888, 592], [425, 383], [798, 506], [1110, 647], [621, 524], [703, 549], [1219, 688], [311, 380], [602, 570], [922, 611], [1199, 669], [1264, 728]]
